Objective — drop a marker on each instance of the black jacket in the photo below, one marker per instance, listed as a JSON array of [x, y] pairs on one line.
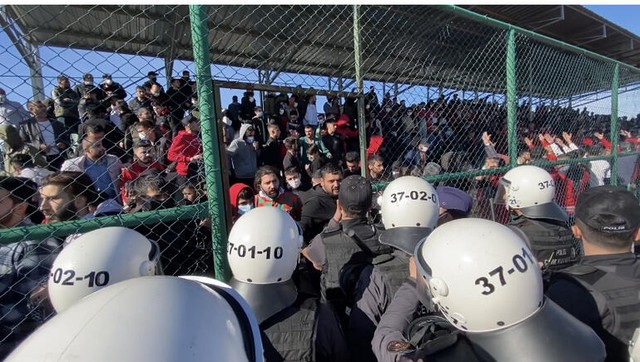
[[317, 209]]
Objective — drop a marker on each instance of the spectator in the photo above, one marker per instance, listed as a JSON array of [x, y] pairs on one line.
[[152, 80], [140, 100], [267, 183], [88, 92], [320, 202], [228, 133], [317, 159], [234, 109], [169, 125], [49, 136], [375, 168], [25, 265], [311, 113], [121, 116], [66, 103], [273, 150], [334, 143], [11, 112], [241, 198], [102, 168], [146, 131], [192, 193], [332, 106], [23, 166], [186, 148], [143, 160], [248, 105], [14, 145], [307, 141], [291, 157], [67, 196], [259, 125], [98, 123], [294, 127], [295, 182], [352, 164], [243, 152], [111, 88], [177, 100]]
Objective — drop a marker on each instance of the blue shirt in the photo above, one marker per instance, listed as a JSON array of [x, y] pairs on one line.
[[99, 173]]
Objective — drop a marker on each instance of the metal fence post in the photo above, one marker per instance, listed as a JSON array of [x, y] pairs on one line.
[[512, 99], [362, 131], [614, 123], [199, 35]]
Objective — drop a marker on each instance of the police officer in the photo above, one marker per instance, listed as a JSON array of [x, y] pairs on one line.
[[454, 204], [152, 318], [295, 327], [528, 193], [98, 259], [485, 282], [602, 289]]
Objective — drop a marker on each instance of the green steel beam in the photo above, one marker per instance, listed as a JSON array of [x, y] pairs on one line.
[[362, 131], [63, 229], [614, 123], [209, 130], [512, 98]]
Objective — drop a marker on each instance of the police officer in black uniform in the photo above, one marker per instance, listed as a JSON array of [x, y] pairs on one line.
[[603, 289], [487, 288], [264, 248], [528, 192]]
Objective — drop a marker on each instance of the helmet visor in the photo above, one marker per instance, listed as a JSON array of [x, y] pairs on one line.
[[502, 193], [422, 278]]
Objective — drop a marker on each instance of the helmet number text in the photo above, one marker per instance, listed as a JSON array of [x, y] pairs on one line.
[[68, 277], [519, 263], [412, 195], [545, 184], [243, 251]]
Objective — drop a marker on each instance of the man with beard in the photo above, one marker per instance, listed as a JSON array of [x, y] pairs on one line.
[[144, 155], [23, 265], [267, 183], [320, 202], [102, 168], [67, 196]]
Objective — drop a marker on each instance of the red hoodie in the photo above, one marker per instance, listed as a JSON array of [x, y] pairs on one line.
[[183, 147], [234, 190]]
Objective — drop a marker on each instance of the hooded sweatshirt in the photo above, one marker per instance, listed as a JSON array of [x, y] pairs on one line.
[[234, 190], [244, 158]]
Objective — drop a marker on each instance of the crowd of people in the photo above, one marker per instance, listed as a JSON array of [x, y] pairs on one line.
[[90, 152]]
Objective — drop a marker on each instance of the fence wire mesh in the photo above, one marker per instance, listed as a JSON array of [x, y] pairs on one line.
[[101, 113]]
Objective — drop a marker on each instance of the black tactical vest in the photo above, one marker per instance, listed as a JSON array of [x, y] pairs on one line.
[[551, 243], [291, 334], [395, 269], [346, 248], [622, 296]]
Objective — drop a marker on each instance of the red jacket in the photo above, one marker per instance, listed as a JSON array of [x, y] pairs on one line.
[[183, 147]]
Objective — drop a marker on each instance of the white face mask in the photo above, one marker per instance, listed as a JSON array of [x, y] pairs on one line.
[[108, 81], [251, 99], [422, 149], [295, 183], [3, 98], [142, 136], [388, 109], [156, 94], [88, 83], [243, 209], [260, 114], [281, 111], [295, 104], [226, 120]]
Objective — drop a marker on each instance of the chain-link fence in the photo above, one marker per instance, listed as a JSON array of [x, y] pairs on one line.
[[122, 95]]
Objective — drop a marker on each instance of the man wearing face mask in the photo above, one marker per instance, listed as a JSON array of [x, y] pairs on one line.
[[267, 183], [259, 125], [311, 113], [11, 112], [295, 181], [243, 152], [84, 90], [111, 88]]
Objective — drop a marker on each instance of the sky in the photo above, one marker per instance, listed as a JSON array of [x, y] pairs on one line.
[[132, 70]]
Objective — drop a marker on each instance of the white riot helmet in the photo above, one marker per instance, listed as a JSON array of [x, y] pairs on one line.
[[410, 210], [480, 274], [98, 259], [531, 190], [158, 318], [634, 346], [263, 251]]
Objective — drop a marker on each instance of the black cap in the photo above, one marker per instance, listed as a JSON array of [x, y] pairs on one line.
[[609, 209], [106, 75], [355, 194], [151, 73]]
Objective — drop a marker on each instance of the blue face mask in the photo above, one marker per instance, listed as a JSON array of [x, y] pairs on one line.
[[250, 140], [243, 209]]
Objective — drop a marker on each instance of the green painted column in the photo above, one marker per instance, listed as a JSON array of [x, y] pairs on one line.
[[209, 129], [614, 123], [512, 100], [357, 50]]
